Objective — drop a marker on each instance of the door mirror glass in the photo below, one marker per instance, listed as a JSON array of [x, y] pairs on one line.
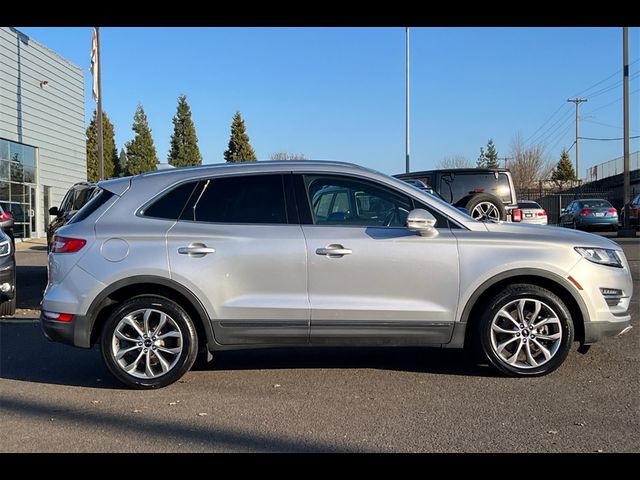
[[421, 221], [53, 211]]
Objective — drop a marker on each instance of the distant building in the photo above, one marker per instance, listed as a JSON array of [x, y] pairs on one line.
[[42, 130]]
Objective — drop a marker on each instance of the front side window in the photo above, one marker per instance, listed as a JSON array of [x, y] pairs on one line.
[[338, 200], [245, 199]]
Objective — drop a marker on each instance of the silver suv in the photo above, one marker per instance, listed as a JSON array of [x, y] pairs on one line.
[[162, 267]]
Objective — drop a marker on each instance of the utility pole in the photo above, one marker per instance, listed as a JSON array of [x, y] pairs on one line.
[[99, 112], [577, 101], [408, 147], [505, 160], [626, 230]]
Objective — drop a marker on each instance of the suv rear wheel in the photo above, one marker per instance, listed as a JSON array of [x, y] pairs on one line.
[[149, 342], [486, 207], [526, 331]]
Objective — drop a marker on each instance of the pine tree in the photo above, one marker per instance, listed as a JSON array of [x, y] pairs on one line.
[[564, 171], [482, 159], [141, 152], [240, 149], [491, 155], [120, 168], [108, 145], [184, 142]]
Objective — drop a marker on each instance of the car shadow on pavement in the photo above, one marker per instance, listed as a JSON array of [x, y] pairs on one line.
[[31, 281], [27, 356], [406, 359]]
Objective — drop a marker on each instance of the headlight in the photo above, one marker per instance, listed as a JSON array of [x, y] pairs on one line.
[[602, 256], [5, 248]]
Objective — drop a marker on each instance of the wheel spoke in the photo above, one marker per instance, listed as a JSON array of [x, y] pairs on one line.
[[124, 351], [133, 365], [133, 324], [545, 321], [147, 369], [122, 336], [172, 333], [501, 346], [543, 349], [173, 351], [507, 315], [145, 318], [498, 329], [163, 363], [536, 311], [521, 305], [530, 358], [514, 358], [163, 320], [554, 336]]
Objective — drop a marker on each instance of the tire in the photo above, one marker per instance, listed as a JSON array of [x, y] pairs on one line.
[[8, 307], [151, 364], [484, 206], [521, 353]]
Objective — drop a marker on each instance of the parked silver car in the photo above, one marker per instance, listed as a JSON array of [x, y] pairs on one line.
[[532, 212], [159, 266]]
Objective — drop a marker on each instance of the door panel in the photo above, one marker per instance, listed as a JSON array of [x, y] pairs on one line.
[[370, 279], [255, 282]]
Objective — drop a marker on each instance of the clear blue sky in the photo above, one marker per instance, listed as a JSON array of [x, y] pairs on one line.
[[338, 93]]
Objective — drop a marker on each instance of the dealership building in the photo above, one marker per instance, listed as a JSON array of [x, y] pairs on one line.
[[42, 130]]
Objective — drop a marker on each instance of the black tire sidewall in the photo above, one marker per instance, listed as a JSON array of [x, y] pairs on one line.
[[182, 319], [534, 292]]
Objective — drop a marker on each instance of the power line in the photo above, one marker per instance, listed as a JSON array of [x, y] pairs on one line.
[[617, 127], [572, 145], [551, 130], [545, 122], [606, 139], [617, 72], [611, 103]]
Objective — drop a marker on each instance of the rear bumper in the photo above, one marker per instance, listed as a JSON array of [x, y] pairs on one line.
[[594, 331], [71, 333]]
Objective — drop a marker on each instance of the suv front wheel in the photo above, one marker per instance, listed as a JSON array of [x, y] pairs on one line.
[[149, 342], [526, 331]]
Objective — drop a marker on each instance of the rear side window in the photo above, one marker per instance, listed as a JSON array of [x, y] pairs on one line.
[[97, 200], [244, 199], [170, 204], [455, 187]]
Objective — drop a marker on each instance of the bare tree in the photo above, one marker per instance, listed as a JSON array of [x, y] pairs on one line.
[[287, 156], [528, 165], [455, 161]]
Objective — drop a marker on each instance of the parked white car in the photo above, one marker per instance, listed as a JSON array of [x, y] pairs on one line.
[[532, 212]]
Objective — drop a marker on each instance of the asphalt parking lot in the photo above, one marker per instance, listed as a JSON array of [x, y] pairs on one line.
[[55, 398]]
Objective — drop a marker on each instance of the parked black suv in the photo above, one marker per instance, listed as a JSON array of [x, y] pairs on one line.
[[74, 200], [7, 275], [487, 193]]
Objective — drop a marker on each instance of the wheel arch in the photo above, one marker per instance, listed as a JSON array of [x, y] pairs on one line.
[[542, 278], [137, 285]]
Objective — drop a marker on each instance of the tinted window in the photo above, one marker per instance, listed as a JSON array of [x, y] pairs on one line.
[[81, 197], [349, 201], [96, 201], [170, 204], [455, 187], [246, 199], [528, 205], [596, 204]]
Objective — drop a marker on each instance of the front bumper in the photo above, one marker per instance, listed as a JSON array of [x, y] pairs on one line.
[[8, 275], [594, 331]]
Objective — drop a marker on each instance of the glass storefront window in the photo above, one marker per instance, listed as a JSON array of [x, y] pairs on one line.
[[28, 156], [17, 172], [4, 170], [4, 150], [15, 152]]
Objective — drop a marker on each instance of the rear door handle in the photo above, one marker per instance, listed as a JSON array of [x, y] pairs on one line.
[[196, 250], [334, 251]]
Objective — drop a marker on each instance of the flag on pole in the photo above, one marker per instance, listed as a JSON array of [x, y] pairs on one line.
[[94, 64]]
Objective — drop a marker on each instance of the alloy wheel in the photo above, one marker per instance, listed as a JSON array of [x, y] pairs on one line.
[[485, 211]]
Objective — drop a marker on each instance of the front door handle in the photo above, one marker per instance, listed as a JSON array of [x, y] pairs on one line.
[[334, 251], [196, 250]]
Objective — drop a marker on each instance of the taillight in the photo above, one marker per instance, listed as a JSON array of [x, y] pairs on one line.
[[67, 244], [613, 212], [542, 214], [516, 215], [585, 212], [59, 317]]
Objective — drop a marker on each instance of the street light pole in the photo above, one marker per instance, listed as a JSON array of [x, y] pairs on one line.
[[626, 230], [407, 125]]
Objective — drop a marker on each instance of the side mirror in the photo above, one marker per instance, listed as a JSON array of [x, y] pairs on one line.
[[421, 221], [563, 210], [54, 211]]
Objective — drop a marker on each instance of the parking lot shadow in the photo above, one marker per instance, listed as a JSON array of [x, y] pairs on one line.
[[26, 355], [31, 281]]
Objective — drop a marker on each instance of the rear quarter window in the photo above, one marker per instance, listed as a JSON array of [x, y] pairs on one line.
[[170, 205]]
